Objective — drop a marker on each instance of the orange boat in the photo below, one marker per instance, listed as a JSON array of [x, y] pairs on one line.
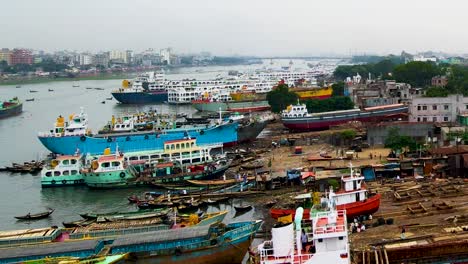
[[305, 93], [354, 198]]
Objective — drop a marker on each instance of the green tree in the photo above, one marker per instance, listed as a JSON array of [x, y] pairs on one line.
[[416, 73], [338, 89], [330, 104], [436, 92], [280, 97], [395, 141]]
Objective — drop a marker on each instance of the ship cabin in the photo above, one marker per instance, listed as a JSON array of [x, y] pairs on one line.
[[183, 151], [353, 189], [123, 124], [108, 163], [294, 111], [63, 170], [76, 126]]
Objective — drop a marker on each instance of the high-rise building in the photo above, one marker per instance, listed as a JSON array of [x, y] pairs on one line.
[[166, 55], [21, 56], [85, 59], [5, 55], [101, 59]]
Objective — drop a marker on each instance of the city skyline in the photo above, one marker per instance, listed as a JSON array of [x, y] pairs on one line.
[[258, 28]]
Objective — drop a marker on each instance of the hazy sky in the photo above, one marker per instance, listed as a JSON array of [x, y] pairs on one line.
[[245, 27]]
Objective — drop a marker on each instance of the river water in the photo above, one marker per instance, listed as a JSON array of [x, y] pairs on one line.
[[22, 193]]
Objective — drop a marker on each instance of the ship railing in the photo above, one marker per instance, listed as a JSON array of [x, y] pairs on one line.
[[212, 145], [117, 232], [267, 254]]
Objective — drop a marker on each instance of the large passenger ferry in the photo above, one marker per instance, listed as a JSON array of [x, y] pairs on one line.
[[69, 137]]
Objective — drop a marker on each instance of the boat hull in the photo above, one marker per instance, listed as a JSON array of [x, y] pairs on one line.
[[61, 181], [325, 120], [160, 180], [134, 142], [11, 111], [241, 106], [140, 97], [250, 132], [366, 207]]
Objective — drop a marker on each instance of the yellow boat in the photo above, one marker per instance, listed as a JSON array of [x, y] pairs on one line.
[[112, 259], [313, 92]]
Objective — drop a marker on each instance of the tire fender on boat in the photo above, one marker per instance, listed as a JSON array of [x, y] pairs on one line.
[[178, 251], [83, 138], [75, 182], [127, 139], [146, 136], [213, 242], [122, 175], [202, 132], [109, 139], [64, 182], [53, 182], [231, 121]]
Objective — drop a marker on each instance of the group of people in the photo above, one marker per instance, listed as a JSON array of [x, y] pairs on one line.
[[358, 225]]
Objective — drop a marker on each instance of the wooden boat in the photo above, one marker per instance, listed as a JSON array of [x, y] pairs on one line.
[[30, 100], [30, 216], [243, 208], [99, 89], [199, 244], [157, 212], [217, 182], [51, 90], [32, 91], [78, 223], [269, 204]]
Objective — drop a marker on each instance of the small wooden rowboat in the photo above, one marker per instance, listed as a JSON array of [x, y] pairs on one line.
[[30, 216], [244, 208]]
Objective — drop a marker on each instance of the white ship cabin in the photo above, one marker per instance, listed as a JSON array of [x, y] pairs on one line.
[[123, 124], [293, 111], [327, 237], [184, 151], [353, 189], [76, 126], [107, 163], [64, 165]]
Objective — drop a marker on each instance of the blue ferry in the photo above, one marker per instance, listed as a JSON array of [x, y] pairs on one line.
[[68, 138]]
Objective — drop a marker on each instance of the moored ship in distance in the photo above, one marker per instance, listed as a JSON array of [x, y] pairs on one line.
[[297, 118], [305, 93], [146, 88], [69, 137], [234, 102], [11, 107]]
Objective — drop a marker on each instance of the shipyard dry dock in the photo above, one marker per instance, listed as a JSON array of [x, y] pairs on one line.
[[434, 215]]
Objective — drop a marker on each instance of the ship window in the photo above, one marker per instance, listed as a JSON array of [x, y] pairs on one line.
[[196, 152], [182, 145], [144, 157], [155, 156], [320, 240], [66, 173], [340, 238], [192, 144], [48, 174], [65, 162], [73, 161], [196, 160], [187, 145], [74, 172], [176, 155], [115, 163], [177, 146], [185, 153], [133, 158], [165, 156], [56, 173], [105, 165], [167, 147]]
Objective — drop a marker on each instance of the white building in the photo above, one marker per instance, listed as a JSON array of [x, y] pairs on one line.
[[118, 55], [437, 109], [166, 55], [85, 59], [424, 59]]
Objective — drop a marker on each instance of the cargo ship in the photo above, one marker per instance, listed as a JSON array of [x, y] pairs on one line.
[[235, 102], [68, 138], [296, 117], [11, 107], [305, 93], [146, 88]]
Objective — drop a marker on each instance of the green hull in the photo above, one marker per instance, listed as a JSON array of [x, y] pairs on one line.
[[60, 181], [110, 180], [240, 106]]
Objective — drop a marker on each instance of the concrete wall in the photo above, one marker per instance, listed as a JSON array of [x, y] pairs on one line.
[[377, 134]]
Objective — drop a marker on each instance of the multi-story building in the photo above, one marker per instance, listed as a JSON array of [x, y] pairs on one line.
[[101, 59], [439, 81], [166, 55], [5, 55], [118, 56], [85, 59], [438, 109], [21, 56]]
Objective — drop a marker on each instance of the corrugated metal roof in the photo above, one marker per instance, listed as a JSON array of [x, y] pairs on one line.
[[162, 236], [48, 249]]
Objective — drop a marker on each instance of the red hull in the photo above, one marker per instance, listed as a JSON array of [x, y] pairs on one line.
[[365, 207]]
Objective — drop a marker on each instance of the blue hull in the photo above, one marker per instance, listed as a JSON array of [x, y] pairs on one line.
[[68, 145], [140, 97]]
